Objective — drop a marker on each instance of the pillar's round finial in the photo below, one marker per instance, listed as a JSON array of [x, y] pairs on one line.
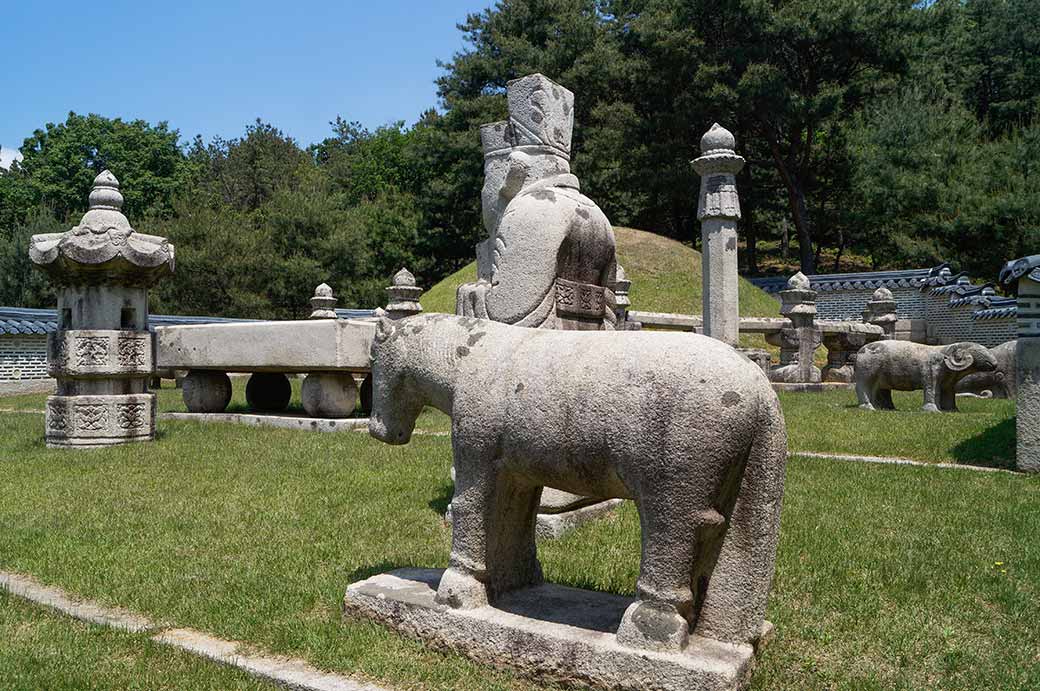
[[798, 281], [716, 138], [881, 293], [105, 192], [324, 290], [404, 277]]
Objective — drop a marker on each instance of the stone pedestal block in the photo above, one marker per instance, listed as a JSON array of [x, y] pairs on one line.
[[268, 392], [99, 420], [549, 631], [329, 395], [206, 392]]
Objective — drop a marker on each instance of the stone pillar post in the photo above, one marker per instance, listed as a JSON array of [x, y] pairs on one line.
[[799, 341], [403, 296], [102, 353], [621, 301], [323, 304], [881, 311], [1026, 272], [718, 210]]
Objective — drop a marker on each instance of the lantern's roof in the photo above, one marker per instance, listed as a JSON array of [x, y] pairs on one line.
[[103, 248]]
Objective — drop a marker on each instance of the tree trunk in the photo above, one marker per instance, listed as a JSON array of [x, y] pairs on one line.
[[799, 211], [750, 230]]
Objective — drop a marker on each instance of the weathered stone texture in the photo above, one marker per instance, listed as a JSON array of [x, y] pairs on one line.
[[887, 366], [549, 259], [549, 632], [206, 392], [718, 209], [329, 395], [525, 416], [102, 352], [1025, 272]]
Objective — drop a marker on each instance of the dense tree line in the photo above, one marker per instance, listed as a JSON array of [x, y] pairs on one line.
[[903, 131]]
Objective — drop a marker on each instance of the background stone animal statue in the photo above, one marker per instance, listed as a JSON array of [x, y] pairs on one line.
[[886, 366], [998, 383], [702, 451]]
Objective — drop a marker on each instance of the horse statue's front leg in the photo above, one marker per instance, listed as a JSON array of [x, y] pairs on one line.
[[464, 584]]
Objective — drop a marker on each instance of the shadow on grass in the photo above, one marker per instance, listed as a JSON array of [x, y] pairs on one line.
[[363, 572], [440, 503], [992, 448]]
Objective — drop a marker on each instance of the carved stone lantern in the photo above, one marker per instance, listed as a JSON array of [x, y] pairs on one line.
[[403, 296], [102, 353], [799, 341], [881, 311], [323, 304]]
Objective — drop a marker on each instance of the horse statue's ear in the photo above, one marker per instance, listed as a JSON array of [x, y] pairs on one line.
[[384, 329]]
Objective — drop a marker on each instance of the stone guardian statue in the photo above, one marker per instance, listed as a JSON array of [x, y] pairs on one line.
[[549, 259]]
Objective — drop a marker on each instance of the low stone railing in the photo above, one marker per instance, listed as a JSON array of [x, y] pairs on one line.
[[332, 353]]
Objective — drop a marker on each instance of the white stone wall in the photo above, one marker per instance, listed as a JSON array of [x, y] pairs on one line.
[[23, 357]]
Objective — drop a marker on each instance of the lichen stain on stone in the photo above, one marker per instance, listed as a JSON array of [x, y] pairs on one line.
[[544, 195], [731, 243], [730, 399], [475, 337], [519, 387], [462, 351]]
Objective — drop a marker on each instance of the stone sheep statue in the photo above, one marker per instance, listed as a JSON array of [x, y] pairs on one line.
[[702, 451], [884, 366], [998, 383]]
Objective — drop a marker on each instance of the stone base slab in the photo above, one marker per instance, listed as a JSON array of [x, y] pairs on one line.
[[813, 387], [554, 525], [550, 631], [311, 424]]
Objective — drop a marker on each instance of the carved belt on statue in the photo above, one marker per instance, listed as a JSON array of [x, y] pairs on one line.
[[584, 300]]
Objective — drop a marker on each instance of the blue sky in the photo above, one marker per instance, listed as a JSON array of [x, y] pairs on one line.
[[211, 68]]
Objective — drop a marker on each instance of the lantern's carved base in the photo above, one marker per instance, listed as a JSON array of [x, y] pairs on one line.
[[100, 420]]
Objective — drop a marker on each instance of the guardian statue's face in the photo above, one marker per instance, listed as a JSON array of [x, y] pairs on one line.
[[493, 203]]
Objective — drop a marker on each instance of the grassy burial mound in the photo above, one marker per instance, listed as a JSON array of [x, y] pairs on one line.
[[665, 275]]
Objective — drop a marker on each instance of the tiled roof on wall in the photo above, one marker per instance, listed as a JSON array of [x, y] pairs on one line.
[[864, 280]]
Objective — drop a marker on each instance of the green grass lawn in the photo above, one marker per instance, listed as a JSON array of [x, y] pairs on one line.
[[40, 649], [888, 576], [982, 433]]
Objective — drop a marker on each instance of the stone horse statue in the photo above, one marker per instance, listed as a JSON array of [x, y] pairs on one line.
[[702, 451]]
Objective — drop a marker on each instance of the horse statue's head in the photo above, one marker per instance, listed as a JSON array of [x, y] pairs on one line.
[[396, 400]]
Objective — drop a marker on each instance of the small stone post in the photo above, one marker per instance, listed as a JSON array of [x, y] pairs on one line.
[[102, 353], [1026, 272], [799, 341], [881, 311], [621, 301], [718, 209], [403, 296], [323, 304]]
